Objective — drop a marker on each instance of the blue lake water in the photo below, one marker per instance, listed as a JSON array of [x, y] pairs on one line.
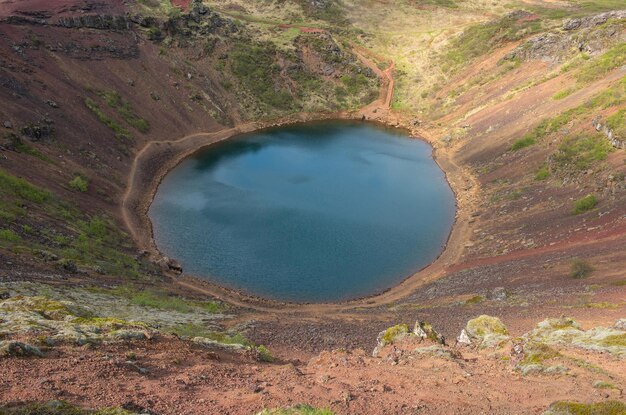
[[314, 212]]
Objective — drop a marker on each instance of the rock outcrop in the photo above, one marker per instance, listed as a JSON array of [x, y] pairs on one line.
[[484, 332]]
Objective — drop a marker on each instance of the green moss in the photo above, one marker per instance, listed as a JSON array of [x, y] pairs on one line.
[[264, 354], [600, 384], [537, 353], [392, 333], [484, 325], [475, 300], [108, 323], [585, 204], [576, 408], [614, 340]]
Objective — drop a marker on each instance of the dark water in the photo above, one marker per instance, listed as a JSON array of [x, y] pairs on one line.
[[312, 213]]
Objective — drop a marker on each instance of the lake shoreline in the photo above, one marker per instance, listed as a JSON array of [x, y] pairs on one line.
[[157, 159]]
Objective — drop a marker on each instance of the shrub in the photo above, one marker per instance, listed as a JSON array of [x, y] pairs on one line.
[[585, 204], [580, 269], [79, 183]]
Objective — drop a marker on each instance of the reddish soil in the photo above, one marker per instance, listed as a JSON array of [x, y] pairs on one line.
[[525, 243], [182, 378]]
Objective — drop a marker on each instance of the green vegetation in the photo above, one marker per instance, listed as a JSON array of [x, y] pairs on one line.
[[475, 300], [542, 173], [480, 39], [95, 242], [581, 152], [57, 408], [265, 355], [537, 353], [7, 235], [484, 325], [523, 142], [120, 132], [123, 107], [297, 410], [563, 94], [617, 123], [596, 68], [585, 204], [576, 408], [600, 384], [392, 333], [580, 269], [160, 299], [354, 83], [253, 64], [79, 183]]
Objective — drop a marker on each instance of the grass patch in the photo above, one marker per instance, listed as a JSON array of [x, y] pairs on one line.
[[20, 188], [526, 141], [253, 64], [79, 183], [542, 173], [600, 66], [585, 204], [617, 123], [563, 94], [120, 132], [7, 235], [159, 299], [480, 39], [582, 151], [125, 110], [580, 269]]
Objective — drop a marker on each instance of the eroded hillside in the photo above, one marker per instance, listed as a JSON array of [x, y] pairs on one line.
[[524, 105]]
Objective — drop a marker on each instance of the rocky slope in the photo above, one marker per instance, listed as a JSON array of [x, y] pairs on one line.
[[524, 108]]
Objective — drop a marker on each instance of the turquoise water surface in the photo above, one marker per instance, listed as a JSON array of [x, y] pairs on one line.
[[310, 212]]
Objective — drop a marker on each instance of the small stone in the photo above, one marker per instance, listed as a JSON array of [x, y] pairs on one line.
[[8, 124]]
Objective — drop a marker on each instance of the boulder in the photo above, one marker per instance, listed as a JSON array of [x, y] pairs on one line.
[[424, 331], [484, 332]]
